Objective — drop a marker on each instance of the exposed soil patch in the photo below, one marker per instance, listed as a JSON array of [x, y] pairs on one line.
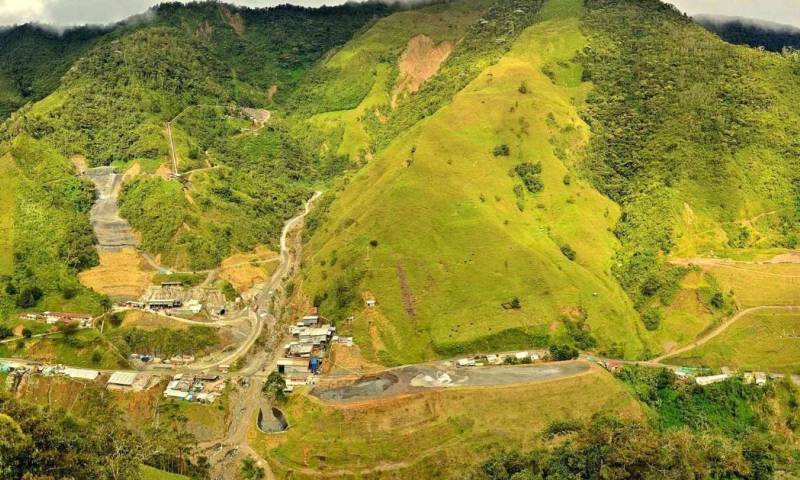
[[273, 89], [244, 270], [120, 275], [367, 387], [204, 30], [405, 290], [419, 62], [233, 19]]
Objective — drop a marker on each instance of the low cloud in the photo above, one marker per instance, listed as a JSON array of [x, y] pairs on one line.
[[785, 12]]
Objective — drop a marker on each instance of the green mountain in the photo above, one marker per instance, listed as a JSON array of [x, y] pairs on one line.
[[603, 176], [500, 174]]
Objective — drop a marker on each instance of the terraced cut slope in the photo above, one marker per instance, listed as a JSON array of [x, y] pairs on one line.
[[455, 233], [430, 435]]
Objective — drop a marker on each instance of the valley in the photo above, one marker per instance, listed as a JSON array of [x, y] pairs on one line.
[[484, 239]]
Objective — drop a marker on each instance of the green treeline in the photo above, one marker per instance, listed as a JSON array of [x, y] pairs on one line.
[[93, 440], [679, 116]]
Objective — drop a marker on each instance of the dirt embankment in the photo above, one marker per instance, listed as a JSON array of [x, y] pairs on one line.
[[419, 62]]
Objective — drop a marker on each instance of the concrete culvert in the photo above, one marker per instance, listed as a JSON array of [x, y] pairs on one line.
[[366, 387], [273, 422]]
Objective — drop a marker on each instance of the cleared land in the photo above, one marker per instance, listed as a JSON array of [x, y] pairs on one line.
[[244, 270], [120, 274], [761, 341], [436, 434]]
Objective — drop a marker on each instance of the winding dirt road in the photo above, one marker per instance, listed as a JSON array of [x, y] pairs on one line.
[[721, 328]]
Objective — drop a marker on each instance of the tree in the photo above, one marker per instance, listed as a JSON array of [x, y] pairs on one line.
[[250, 470], [29, 297], [5, 332], [560, 352], [717, 300], [274, 387], [115, 319], [568, 252], [27, 333], [67, 328]]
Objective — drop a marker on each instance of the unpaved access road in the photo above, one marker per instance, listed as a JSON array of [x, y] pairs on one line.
[[722, 327], [419, 378]]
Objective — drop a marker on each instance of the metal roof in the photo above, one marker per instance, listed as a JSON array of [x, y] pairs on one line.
[[122, 378]]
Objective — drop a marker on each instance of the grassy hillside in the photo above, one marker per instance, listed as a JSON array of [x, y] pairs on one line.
[[433, 434], [33, 59], [563, 175], [449, 253], [46, 230]]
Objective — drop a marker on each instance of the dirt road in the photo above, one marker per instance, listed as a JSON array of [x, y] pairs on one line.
[[226, 454], [721, 328]]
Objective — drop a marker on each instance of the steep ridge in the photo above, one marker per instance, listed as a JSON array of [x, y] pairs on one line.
[[452, 241], [513, 191]]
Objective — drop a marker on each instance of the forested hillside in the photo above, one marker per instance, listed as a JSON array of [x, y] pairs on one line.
[[109, 97], [33, 59], [742, 31]]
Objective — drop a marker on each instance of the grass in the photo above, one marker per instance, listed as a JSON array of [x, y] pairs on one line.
[[205, 422], [360, 76], [8, 178], [453, 244], [435, 434], [150, 473], [757, 342], [760, 284], [688, 315], [57, 350]]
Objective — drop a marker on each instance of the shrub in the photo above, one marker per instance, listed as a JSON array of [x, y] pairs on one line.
[[274, 387], [567, 179], [651, 319], [115, 319], [373, 243], [502, 150], [27, 333], [563, 352], [529, 174], [5, 332], [568, 252], [523, 87], [96, 357]]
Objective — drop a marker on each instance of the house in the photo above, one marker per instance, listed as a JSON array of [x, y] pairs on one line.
[[309, 321], [29, 316], [300, 349], [708, 380], [159, 303], [122, 379], [171, 284], [292, 366], [83, 320]]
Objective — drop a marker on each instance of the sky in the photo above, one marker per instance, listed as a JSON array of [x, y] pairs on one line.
[[80, 12]]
